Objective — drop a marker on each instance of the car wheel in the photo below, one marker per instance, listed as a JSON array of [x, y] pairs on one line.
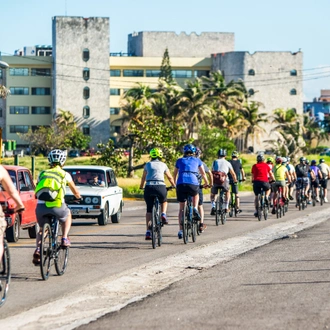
[[33, 230], [104, 216], [12, 233], [116, 217]]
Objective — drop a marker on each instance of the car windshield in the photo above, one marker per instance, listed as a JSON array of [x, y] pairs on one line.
[[87, 177], [12, 175]]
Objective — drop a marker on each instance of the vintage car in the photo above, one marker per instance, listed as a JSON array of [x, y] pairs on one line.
[[101, 197], [23, 181]]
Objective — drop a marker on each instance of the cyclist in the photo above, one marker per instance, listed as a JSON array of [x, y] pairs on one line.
[[153, 176], [325, 170], [261, 176], [292, 172], [302, 173], [318, 176], [57, 208], [281, 173], [221, 165], [185, 175], [239, 171], [202, 225], [270, 162], [9, 187]]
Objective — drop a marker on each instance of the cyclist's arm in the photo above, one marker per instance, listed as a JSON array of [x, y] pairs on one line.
[[202, 172], [170, 178], [175, 174], [74, 189], [210, 176], [143, 179], [243, 174], [288, 176], [233, 174], [271, 175]]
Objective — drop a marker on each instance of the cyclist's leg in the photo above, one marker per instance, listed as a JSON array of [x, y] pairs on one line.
[[181, 198], [3, 225], [213, 197], [202, 226], [149, 204], [256, 190], [161, 193]]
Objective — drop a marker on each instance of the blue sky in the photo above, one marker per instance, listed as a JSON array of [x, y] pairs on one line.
[[259, 25]]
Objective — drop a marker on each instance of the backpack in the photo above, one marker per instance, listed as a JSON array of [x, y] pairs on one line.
[[50, 184], [219, 177], [301, 171]]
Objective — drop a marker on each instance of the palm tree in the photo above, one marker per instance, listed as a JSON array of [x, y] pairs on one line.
[[313, 133], [4, 91]]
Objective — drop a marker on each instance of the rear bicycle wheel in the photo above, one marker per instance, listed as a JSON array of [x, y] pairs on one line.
[[5, 274], [184, 222], [313, 196], [217, 211], [231, 206], [194, 230], [265, 212], [321, 196], [62, 255], [46, 251], [154, 220], [259, 206]]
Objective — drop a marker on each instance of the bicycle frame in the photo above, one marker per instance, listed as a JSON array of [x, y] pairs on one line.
[[5, 273], [219, 211]]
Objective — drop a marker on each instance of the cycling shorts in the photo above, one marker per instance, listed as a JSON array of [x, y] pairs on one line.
[[324, 183], [43, 213], [302, 183], [315, 183], [215, 188], [186, 189], [234, 187], [258, 185], [150, 191]]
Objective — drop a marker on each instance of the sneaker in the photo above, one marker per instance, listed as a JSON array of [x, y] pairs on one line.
[[213, 211], [238, 211], [196, 214], [325, 200], [36, 258], [202, 227], [317, 199], [65, 242], [164, 219], [291, 198], [273, 211], [180, 234], [255, 214], [309, 202], [148, 235]]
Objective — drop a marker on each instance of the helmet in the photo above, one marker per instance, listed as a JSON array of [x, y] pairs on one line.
[[270, 160], [288, 158], [284, 160], [189, 149], [302, 159], [278, 160], [156, 153], [222, 152], [57, 156], [260, 158], [235, 154], [322, 160], [313, 162], [198, 152], [307, 161]]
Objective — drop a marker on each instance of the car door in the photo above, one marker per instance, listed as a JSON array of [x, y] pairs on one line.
[[114, 190]]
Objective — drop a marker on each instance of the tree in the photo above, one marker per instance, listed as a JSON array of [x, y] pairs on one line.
[[166, 69], [4, 91]]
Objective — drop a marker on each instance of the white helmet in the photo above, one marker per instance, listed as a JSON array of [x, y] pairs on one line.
[[57, 156]]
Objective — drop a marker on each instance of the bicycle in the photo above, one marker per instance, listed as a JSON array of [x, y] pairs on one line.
[[5, 273], [220, 213], [262, 206], [301, 197], [321, 194], [156, 223], [313, 195], [279, 203], [232, 204], [51, 249]]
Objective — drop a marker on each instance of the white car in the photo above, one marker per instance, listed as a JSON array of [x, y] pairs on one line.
[[102, 198]]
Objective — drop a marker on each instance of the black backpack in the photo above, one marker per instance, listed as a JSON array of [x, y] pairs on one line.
[[302, 171]]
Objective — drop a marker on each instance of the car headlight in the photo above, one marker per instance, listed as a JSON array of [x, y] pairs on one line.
[[88, 200], [95, 200]]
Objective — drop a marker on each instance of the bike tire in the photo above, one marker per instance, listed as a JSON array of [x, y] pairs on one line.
[[194, 231], [159, 234], [217, 211], [46, 251], [313, 197], [198, 226], [259, 207], [321, 196], [231, 207], [184, 221], [62, 255], [5, 274], [223, 217], [154, 226], [265, 212]]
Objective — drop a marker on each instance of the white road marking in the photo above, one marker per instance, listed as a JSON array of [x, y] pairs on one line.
[[115, 292]]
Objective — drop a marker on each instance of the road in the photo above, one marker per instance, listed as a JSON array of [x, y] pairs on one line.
[[113, 265]]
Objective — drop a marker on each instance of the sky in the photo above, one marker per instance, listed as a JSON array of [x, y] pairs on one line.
[[258, 25]]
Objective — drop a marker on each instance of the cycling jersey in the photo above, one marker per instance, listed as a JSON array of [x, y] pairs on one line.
[[260, 172], [155, 172], [188, 170], [279, 172]]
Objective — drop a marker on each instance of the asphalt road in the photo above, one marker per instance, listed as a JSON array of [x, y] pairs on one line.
[[103, 254]]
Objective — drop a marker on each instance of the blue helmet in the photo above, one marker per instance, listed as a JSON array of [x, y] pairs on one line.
[[189, 149]]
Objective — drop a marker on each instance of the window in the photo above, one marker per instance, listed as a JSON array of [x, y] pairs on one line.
[[40, 91], [85, 54], [85, 130], [35, 128], [251, 91], [0, 74], [114, 111], [86, 74], [19, 90], [40, 110], [115, 73], [40, 72], [152, 73], [202, 73], [0, 112], [86, 93], [182, 73], [114, 91], [293, 92], [86, 111], [19, 110], [18, 128], [293, 72], [133, 73], [251, 72], [18, 71]]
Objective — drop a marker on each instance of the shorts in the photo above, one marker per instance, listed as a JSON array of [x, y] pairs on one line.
[[258, 185], [150, 191], [201, 197], [324, 183], [302, 183], [185, 189], [3, 225], [224, 187], [43, 213], [278, 184], [315, 183], [234, 187]]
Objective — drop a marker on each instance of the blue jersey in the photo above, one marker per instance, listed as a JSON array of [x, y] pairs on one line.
[[188, 170]]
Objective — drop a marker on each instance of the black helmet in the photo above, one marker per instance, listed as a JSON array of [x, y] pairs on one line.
[[260, 158], [222, 152], [322, 160], [313, 162], [302, 159]]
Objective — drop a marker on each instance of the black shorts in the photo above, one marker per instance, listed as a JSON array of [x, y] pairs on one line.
[[257, 185], [234, 187], [201, 197], [150, 191], [185, 189], [324, 183], [315, 183], [302, 182]]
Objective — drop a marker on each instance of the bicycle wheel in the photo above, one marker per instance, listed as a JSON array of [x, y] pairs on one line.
[[217, 211], [45, 251], [198, 224], [4, 274], [62, 255], [313, 197], [278, 207], [231, 206], [265, 212], [154, 220], [223, 217], [321, 196], [194, 230], [259, 206], [184, 221]]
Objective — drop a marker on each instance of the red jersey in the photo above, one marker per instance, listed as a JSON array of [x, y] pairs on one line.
[[260, 172]]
